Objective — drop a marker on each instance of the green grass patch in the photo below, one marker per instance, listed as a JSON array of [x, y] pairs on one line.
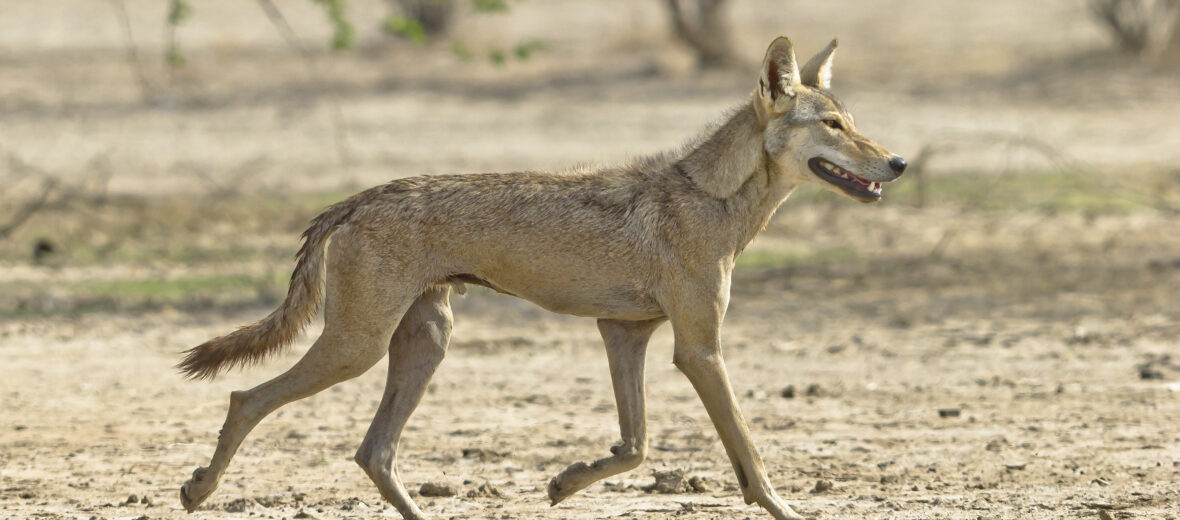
[[176, 288], [1056, 191], [783, 258], [187, 292]]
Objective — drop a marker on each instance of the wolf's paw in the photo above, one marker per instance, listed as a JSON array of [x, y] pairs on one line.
[[196, 490]]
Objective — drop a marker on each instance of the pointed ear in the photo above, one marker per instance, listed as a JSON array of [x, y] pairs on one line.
[[780, 76], [818, 72]]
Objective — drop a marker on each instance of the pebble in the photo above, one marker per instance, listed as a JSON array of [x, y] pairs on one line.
[[822, 486], [433, 489], [788, 392]]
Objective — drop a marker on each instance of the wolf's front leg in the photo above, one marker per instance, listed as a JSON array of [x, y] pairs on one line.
[[698, 354]]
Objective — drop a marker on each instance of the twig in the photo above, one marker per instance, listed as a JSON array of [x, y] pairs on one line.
[[145, 87], [918, 169], [339, 129], [952, 142], [939, 248], [29, 210]]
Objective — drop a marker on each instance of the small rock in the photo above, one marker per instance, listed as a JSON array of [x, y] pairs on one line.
[[486, 490], [668, 482], [948, 412], [1149, 372], [788, 392], [890, 479], [296, 435], [20, 427], [483, 454], [1016, 465], [303, 514], [437, 489], [43, 248], [814, 390], [239, 505], [822, 486], [995, 445], [131, 499], [701, 484], [1104, 515]]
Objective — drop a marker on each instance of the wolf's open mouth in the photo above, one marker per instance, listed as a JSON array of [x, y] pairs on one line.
[[856, 187]]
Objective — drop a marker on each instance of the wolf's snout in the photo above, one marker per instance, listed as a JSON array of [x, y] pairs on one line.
[[898, 164]]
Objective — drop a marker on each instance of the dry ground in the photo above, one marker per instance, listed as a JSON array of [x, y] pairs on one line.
[[1033, 292]]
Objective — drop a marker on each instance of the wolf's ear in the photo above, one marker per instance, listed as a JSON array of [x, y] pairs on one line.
[[780, 76], [818, 72]]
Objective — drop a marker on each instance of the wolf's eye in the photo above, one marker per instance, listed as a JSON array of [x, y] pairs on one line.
[[832, 123]]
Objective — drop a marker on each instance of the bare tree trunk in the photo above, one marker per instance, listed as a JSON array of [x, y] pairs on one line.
[[1174, 45], [435, 16], [704, 28], [1139, 27]]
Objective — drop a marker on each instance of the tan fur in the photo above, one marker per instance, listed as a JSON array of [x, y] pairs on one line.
[[633, 246]]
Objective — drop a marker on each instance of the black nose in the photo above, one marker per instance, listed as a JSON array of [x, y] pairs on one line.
[[898, 164]]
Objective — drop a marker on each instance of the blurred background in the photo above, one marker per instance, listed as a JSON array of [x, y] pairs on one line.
[[180, 137], [159, 158], [185, 138]]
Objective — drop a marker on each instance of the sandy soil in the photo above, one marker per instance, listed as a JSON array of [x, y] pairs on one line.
[[1056, 359], [1048, 338]]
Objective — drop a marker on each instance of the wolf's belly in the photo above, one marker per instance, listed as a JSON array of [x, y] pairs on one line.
[[595, 298]]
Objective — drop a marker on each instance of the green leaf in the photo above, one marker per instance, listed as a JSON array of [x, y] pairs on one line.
[[461, 51], [525, 50], [405, 27], [343, 37], [498, 57], [178, 12], [490, 6], [174, 57], [343, 33]]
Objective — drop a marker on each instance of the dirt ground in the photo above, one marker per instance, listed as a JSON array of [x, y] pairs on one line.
[[1003, 346]]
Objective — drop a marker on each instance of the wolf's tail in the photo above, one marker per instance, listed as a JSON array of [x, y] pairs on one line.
[[253, 343]]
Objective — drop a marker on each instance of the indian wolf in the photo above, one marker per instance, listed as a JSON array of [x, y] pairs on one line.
[[633, 246]]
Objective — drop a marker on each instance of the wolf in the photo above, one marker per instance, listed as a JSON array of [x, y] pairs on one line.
[[633, 246]]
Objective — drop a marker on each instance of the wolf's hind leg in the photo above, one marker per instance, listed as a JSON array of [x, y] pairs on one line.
[[360, 316], [415, 352], [626, 347]]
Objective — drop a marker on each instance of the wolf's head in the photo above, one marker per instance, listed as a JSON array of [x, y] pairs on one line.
[[810, 135]]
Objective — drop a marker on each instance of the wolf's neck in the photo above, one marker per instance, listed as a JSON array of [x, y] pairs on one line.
[[731, 165], [721, 164]]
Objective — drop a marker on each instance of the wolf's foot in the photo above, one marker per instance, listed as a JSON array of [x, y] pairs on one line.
[[556, 493], [778, 509], [196, 490]]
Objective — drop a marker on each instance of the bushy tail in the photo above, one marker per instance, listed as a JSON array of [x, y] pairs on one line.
[[253, 343]]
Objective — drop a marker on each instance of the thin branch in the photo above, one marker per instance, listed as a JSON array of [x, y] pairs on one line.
[[339, 129], [30, 209], [145, 87]]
